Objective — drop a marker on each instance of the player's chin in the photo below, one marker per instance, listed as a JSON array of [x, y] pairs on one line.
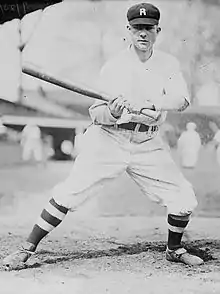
[[143, 46]]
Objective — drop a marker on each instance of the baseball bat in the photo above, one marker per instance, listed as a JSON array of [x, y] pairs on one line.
[[46, 77]]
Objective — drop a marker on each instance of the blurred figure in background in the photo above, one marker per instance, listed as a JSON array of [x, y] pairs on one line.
[[167, 132], [67, 148], [216, 140], [78, 141], [3, 130], [189, 144], [31, 143], [47, 147]]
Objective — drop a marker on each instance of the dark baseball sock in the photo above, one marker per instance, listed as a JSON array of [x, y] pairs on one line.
[[51, 216], [176, 227]]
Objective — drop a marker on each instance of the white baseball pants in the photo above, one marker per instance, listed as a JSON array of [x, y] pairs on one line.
[[108, 152]]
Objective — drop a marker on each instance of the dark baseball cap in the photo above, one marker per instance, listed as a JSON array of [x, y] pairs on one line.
[[143, 13]]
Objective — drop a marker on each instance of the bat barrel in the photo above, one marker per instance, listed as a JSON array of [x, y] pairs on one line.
[[63, 84]]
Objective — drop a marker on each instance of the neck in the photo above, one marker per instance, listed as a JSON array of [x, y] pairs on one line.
[[143, 55]]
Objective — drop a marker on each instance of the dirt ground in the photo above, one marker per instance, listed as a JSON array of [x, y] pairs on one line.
[[114, 244]]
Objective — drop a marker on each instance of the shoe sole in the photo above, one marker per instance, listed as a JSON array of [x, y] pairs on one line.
[[170, 259], [17, 267]]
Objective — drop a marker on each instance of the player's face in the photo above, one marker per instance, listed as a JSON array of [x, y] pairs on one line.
[[143, 36]]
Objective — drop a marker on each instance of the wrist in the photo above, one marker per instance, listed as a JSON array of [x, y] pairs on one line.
[[153, 107], [114, 115], [111, 115]]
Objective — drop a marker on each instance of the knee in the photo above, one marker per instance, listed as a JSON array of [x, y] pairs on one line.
[[190, 200], [186, 204], [60, 196]]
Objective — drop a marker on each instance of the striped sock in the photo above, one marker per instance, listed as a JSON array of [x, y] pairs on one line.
[[176, 227], [50, 218]]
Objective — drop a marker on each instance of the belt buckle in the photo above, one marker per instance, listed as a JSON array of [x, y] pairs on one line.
[[150, 130], [154, 129], [116, 126]]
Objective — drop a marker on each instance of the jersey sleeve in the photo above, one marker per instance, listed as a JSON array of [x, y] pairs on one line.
[[175, 83], [99, 111]]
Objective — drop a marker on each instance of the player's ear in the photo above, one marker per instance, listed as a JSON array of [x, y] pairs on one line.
[[128, 27], [158, 30]]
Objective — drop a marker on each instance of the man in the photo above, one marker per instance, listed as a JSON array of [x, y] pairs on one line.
[[119, 140], [78, 141], [189, 145], [31, 143]]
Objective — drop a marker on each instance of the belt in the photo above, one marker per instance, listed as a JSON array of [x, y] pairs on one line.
[[142, 128]]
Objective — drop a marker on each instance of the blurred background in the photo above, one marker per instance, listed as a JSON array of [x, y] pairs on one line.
[[41, 125]]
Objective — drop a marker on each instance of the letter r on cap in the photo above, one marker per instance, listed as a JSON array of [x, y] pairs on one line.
[[143, 11]]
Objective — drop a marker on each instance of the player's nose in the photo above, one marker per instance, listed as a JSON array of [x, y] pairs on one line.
[[143, 34]]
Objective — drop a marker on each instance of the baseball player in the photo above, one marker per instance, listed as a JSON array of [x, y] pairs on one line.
[[123, 139]]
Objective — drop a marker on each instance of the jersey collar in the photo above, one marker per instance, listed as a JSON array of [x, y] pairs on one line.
[[147, 64]]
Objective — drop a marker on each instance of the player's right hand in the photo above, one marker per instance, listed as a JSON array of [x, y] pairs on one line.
[[117, 105]]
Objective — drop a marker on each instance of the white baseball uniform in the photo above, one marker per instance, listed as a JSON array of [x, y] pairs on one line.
[[109, 150]]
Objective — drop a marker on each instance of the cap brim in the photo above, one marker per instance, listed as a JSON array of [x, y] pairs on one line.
[[144, 20]]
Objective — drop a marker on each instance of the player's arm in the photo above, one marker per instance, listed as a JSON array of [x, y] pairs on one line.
[[108, 112], [176, 95], [175, 103], [103, 112]]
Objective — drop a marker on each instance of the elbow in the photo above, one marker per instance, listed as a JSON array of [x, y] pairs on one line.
[[184, 105], [91, 111]]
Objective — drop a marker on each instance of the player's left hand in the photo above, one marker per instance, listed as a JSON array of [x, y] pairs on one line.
[[149, 105], [147, 108], [143, 115], [135, 107]]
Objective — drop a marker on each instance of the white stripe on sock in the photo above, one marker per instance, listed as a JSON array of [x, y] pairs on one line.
[[54, 211], [175, 229], [45, 225]]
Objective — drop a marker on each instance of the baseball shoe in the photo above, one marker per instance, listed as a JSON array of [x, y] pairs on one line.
[[181, 255], [17, 259]]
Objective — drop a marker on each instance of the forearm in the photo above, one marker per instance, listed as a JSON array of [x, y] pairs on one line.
[[173, 104], [100, 114]]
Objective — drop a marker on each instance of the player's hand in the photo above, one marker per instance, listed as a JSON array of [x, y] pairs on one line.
[[149, 105], [136, 107], [146, 109], [116, 106]]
